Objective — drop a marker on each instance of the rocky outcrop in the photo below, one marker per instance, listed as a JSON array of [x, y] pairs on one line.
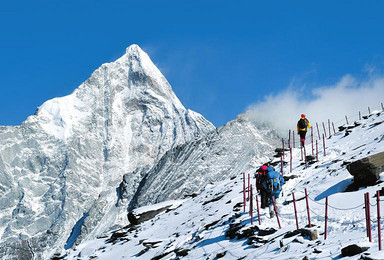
[[366, 171], [352, 250]]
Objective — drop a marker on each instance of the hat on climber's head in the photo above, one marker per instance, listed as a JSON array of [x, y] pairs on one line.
[[264, 167], [302, 115]]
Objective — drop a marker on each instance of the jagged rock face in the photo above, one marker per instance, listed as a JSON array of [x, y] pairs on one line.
[[238, 146], [62, 166]]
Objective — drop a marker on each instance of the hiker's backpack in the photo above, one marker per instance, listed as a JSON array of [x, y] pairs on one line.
[[302, 124], [273, 182]]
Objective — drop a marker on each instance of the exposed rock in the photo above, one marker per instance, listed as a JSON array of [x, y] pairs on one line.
[[310, 159], [311, 234], [232, 232], [352, 250], [266, 232], [142, 217], [181, 252], [220, 255], [366, 171]]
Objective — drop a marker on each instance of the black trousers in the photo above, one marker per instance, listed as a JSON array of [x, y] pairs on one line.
[[302, 137], [264, 198]]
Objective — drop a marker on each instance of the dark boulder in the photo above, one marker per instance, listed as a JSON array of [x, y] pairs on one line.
[[352, 250], [310, 159], [366, 171], [136, 219]]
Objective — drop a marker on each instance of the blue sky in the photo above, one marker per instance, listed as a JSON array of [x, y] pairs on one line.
[[219, 56]]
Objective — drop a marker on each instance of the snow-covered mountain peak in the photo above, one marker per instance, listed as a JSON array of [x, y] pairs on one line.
[[65, 161]]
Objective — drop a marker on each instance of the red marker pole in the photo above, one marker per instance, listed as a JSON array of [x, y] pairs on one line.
[[369, 218], [244, 196], [293, 139], [333, 125], [258, 209], [329, 127], [324, 145], [277, 214], [382, 107], [312, 139], [309, 216], [318, 132], [359, 116], [325, 132], [282, 141], [251, 206], [366, 212], [317, 152], [249, 183], [378, 217], [282, 167], [294, 206], [369, 110], [289, 139], [290, 160], [346, 119], [326, 218]]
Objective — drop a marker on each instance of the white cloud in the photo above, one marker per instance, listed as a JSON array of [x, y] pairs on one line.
[[346, 98]]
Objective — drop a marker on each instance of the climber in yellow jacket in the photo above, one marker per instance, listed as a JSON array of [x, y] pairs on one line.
[[302, 127]]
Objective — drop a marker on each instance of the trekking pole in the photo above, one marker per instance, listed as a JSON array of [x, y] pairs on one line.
[[378, 218], [324, 144], [326, 218], [309, 216], [305, 158], [244, 196], [318, 132], [277, 214], [325, 132], [258, 209], [301, 151], [294, 206]]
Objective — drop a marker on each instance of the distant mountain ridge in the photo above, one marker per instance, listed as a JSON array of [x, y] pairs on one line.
[[60, 171]]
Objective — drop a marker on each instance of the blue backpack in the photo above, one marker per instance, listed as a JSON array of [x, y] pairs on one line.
[[273, 182]]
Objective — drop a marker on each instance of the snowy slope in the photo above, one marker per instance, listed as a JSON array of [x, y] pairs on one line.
[[213, 225], [60, 170]]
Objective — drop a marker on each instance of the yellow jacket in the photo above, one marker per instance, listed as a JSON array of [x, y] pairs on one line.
[[303, 129]]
